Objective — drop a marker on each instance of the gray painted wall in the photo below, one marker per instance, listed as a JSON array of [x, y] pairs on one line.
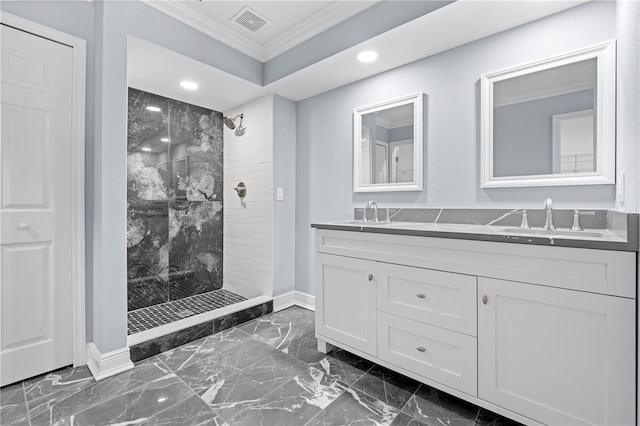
[[284, 212], [450, 81]]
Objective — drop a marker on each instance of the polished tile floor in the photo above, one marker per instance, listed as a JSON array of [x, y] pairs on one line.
[[264, 372]]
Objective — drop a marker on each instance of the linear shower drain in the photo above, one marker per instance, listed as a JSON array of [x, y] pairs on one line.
[[185, 313]]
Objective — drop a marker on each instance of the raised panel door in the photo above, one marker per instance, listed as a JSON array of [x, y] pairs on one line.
[[556, 356], [346, 301]]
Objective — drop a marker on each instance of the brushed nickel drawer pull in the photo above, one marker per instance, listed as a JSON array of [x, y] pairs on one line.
[[420, 296], [421, 349], [485, 299], [370, 277]]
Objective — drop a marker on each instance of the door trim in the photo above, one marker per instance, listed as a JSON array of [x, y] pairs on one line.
[[78, 171]]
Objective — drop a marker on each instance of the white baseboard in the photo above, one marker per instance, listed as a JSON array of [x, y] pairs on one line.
[[294, 298], [109, 364]]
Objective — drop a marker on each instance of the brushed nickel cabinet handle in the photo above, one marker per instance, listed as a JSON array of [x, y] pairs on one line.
[[420, 296], [421, 349], [485, 299], [370, 277]]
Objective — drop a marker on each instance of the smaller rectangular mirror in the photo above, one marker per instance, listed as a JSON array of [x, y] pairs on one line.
[[551, 122], [387, 146]]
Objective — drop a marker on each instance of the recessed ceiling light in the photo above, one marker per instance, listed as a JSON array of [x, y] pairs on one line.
[[367, 56], [164, 139], [153, 108], [189, 85], [146, 149]]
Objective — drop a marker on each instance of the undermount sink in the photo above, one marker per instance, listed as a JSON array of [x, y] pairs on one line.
[[556, 232]]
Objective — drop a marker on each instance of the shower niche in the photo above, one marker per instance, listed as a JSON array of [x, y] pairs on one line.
[[174, 196]]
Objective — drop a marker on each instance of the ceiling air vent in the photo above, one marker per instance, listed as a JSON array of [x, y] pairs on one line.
[[249, 19]]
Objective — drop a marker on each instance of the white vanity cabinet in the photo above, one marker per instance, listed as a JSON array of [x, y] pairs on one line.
[[346, 301], [562, 357], [544, 335]]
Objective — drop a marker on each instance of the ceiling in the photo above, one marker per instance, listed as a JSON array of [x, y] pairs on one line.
[[158, 70], [289, 23]]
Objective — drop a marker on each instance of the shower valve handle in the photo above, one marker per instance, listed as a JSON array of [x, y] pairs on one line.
[[241, 189]]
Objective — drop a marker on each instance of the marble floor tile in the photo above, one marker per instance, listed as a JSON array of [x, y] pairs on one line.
[[433, 407], [403, 419], [487, 418], [101, 391], [388, 386], [137, 405], [344, 366], [13, 406], [305, 348], [294, 403], [355, 408], [190, 412], [47, 390], [294, 314], [230, 396], [275, 333], [188, 354], [266, 372]]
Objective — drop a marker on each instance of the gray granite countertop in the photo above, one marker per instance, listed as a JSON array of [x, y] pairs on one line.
[[617, 231]]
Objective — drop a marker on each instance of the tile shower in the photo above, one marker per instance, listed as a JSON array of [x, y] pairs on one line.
[[175, 211]]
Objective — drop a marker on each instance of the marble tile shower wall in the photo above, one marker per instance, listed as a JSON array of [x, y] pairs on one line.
[[174, 196]]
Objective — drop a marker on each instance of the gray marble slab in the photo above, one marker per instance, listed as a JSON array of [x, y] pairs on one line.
[[344, 366], [355, 407], [230, 396], [236, 318], [137, 405], [190, 412], [98, 392], [45, 391], [172, 340], [13, 406], [294, 403], [388, 386], [502, 225], [431, 406]]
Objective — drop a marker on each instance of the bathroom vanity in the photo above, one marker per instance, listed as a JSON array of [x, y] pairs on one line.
[[543, 333]]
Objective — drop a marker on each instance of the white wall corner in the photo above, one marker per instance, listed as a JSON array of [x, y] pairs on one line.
[[109, 364], [294, 298]]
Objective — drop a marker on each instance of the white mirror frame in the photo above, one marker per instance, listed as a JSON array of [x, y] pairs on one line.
[[417, 100], [605, 55]]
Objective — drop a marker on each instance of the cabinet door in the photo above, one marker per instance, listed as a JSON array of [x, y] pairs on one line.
[[346, 301], [556, 356]]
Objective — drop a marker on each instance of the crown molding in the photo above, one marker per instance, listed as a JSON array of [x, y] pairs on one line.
[[184, 14], [327, 17]]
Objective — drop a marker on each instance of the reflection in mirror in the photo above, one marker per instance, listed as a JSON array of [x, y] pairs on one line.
[[387, 140], [551, 122]]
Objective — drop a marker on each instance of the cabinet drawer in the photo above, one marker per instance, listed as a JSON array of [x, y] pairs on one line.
[[433, 297], [441, 355]]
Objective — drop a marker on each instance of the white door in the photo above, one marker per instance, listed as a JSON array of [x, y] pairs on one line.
[[36, 297], [560, 357], [346, 301]]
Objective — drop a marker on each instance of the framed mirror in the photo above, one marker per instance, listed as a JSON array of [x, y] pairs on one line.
[[551, 122], [387, 145]]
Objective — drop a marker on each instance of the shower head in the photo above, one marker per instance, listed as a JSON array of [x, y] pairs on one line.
[[230, 123]]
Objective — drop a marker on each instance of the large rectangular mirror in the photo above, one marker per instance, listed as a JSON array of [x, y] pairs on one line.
[[387, 146], [551, 122]]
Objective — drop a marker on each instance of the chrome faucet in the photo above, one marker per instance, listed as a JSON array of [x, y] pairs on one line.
[[548, 206], [371, 205]]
